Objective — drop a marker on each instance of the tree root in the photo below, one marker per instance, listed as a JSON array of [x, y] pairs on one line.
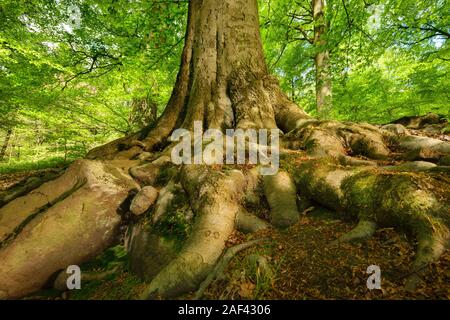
[[216, 200], [363, 231], [166, 196], [281, 194], [249, 223], [415, 202], [424, 148], [224, 83], [148, 173], [25, 187], [419, 122], [220, 267], [68, 232]]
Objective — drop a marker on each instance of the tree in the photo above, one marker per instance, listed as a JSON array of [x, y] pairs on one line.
[[317, 38], [322, 60], [82, 80], [224, 83], [5, 144], [310, 24]]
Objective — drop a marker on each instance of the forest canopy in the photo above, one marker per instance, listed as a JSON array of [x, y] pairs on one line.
[[76, 74]]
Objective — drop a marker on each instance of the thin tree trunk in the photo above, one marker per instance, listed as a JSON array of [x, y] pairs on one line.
[[153, 110], [5, 144], [322, 61]]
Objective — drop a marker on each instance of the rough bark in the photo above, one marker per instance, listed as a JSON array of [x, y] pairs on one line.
[[5, 144], [322, 61], [63, 222]]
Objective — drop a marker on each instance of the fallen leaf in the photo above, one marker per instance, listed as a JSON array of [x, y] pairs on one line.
[[246, 290]]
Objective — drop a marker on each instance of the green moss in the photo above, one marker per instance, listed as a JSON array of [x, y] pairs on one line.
[[109, 259], [123, 286], [446, 130], [310, 144], [166, 173], [174, 225], [395, 199], [311, 180], [120, 285]]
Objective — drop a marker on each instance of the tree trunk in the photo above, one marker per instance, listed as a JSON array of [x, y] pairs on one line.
[[322, 61], [5, 144], [224, 83], [224, 71]]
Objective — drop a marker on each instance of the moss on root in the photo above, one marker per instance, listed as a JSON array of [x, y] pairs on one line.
[[176, 224], [414, 202], [166, 173]]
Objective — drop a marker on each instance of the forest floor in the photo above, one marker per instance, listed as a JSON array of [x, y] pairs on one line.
[[302, 265], [306, 266]]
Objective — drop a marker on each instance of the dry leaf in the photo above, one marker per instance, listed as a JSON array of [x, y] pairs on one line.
[[246, 290]]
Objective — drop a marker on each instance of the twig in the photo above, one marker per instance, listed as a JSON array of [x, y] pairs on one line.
[[222, 264]]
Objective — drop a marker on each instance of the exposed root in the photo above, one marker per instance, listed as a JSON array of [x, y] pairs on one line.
[[419, 122], [110, 150], [338, 139], [25, 187], [215, 200], [79, 220], [288, 115], [249, 223], [142, 202], [253, 182], [363, 231], [148, 173], [415, 166], [351, 161], [148, 252], [396, 129], [281, 194], [415, 202], [220, 267], [224, 83], [166, 197], [433, 239], [424, 148]]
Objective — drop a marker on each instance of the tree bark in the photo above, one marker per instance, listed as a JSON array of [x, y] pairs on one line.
[[5, 144], [322, 61], [223, 67]]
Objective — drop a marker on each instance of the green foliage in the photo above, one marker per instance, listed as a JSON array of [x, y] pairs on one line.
[[75, 74], [80, 73], [389, 58], [19, 166]]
